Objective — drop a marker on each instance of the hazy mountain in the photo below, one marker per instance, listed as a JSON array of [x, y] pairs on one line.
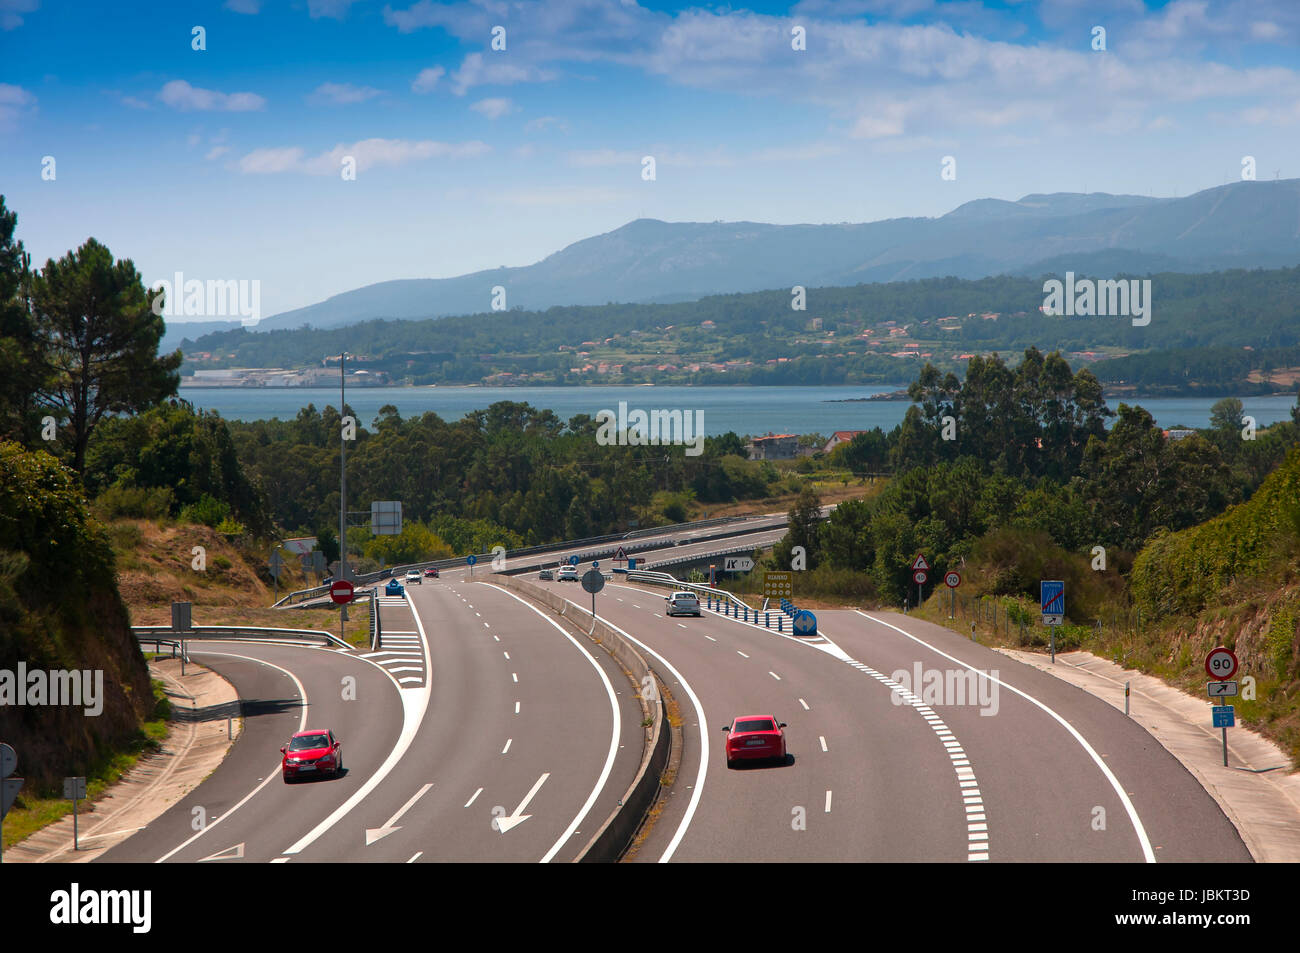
[[1245, 224]]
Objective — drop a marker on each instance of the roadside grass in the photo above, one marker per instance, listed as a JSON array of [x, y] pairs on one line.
[[31, 812]]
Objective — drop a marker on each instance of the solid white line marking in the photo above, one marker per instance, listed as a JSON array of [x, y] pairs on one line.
[[823, 741], [507, 747], [1147, 852], [805, 705], [828, 802], [615, 729], [474, 798], [302, 726]]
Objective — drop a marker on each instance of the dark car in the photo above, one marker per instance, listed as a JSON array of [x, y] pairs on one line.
[[311, 754], [755, 737], [394, 588]]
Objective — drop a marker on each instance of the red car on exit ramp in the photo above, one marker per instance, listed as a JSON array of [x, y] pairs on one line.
[[755, 737], [312, 754]]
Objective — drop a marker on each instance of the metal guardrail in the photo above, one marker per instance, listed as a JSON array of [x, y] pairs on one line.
[[696, 557], [697, 524], [667, 579], [165, 633]]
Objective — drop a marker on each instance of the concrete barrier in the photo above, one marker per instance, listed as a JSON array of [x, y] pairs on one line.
[[615, 835]]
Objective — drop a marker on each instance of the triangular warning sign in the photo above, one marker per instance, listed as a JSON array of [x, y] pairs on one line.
[[920, 563], [620, 556]]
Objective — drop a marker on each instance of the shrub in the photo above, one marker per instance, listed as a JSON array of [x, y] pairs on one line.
[[135, 502], [208, 511]]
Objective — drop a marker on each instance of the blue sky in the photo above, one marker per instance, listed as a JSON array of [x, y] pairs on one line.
[[225, 163]]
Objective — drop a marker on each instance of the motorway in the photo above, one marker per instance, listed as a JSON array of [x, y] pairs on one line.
[[481, 730]]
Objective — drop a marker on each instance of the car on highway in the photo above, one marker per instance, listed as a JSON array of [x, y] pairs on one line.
[[311, 753], [545, 575], [413, 575], [567, 574], [394, 588], [431, 572], [682, 603], [755, 737]]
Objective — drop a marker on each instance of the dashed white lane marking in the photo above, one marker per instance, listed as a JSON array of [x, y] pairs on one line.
[[680, 626], [486, 626], [418, 855], [497, 638], [280, 860], [506, 654], [507, 747], [516, 708], [711, 638], [828, 802], [977, 833], [515, 676], [741, 654], [474, 798], [774, 675], [805, 705], [822, 738]]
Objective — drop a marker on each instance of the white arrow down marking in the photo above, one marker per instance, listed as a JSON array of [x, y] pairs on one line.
[[379, 833], [518, 817]]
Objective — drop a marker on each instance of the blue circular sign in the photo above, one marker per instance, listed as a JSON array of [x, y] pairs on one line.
[[573, 560], [471, 559], [804, 623], [595, 565]]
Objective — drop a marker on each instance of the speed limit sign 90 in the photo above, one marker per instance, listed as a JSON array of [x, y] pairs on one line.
[[1221, 663]]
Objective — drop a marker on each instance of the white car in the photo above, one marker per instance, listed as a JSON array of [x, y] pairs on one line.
[[413, 575], [567, 574], [682, 603]]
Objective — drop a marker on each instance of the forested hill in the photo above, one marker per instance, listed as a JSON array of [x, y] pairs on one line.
[[1231, 309]]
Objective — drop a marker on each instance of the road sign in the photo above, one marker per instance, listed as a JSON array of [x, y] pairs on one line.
[[1221, 689], [593, 581], [181, 616], [301, 545], [573, 560], [919, 577], [1221, 663], [341, 591], [737, 564], [385, 517], [919, 562], [1223, 716], [8, 760], [318, 562], [620, 556], [74, 789], [471, 559], [778, 585], [952, 579], [9, 789], [804, 623], [1052, 597], [276, 564]]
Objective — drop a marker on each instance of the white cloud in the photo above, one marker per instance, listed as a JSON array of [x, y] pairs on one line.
[[476, 70], [343, 93], [13, 100], [368, 153], [217, 152], [542, 123], [336, 9], [494, 108], [11, 12], [428, 79], [181, 95]]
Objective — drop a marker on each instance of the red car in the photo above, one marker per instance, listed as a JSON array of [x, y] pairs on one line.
[[751, 737], [311, 753], [431, 572]]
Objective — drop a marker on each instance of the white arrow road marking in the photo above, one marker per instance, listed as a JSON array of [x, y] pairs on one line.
[[230, 853], [518, 817], [379, 833]]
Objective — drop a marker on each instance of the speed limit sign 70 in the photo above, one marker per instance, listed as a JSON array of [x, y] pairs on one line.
[[952, 579], [1221, 663]]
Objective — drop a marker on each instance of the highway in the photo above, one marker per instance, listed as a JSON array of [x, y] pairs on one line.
[[509, 740], [1050, 775]]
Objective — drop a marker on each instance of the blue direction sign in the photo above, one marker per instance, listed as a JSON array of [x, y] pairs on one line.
[[1223, 716], [805, 623], [1052, 592], [471, 560], [573, 560]]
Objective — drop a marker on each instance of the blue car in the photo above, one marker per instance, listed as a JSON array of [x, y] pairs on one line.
[[394, 588]]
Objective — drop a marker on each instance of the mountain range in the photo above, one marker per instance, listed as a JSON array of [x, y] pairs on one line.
[[1241, 225]]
